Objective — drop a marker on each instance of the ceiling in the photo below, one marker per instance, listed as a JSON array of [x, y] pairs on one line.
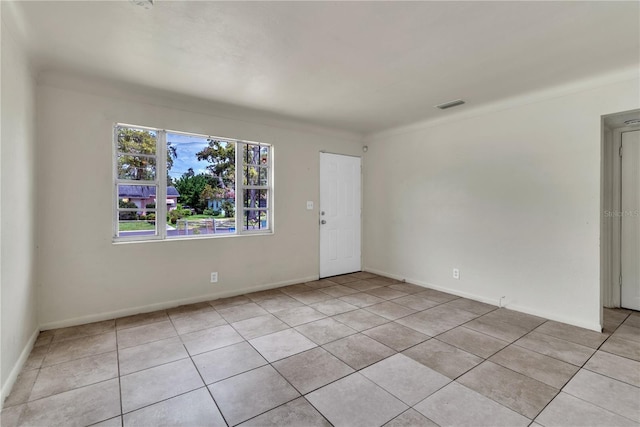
[[358, 66]]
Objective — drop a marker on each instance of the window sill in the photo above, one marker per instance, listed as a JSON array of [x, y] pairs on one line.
[[125, 241]]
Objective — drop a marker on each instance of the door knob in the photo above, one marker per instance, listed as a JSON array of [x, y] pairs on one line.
[[322, 213], [323, 222]]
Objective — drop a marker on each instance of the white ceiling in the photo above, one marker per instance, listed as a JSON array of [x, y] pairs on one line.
[[359, 66]]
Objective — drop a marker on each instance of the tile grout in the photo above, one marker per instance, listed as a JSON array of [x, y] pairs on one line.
[[316, 346]]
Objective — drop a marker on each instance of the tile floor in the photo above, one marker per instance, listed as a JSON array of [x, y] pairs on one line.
[[353, 350]]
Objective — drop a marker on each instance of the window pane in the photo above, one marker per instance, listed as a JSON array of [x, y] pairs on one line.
[[136, 224], [256, 198], [136, 167], [140, 197], [255, 175], [201, 171], [255, 220], [255, 154], [136, 141], [197, 226], [264, 155]]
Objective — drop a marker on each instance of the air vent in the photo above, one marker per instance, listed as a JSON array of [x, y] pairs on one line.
[[450, 104], [632, 122]]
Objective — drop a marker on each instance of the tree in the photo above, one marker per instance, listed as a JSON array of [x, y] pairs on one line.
[[172, 154], [228, 208], [190, 187], [211, 193], [134, 144], [222, 158]]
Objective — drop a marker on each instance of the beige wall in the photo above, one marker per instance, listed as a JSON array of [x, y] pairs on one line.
[[17, 269], [84, 276], [510, 197]]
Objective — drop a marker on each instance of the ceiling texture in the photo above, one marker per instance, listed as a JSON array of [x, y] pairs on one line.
[[356, 66]]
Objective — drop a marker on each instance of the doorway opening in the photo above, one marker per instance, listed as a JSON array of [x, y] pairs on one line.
[[620, 213]]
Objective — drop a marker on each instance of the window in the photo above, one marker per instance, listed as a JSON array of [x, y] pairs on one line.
[[172, 184]]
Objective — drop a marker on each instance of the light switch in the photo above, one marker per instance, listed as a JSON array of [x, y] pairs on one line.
[[309, 205]]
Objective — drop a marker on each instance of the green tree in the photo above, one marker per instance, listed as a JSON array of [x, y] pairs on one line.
[[190, 187], [229, 209], [211, 193], [134, 144], [222, 158]]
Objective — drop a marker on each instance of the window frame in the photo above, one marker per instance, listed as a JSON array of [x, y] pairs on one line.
[[240, 188], [160, 182]]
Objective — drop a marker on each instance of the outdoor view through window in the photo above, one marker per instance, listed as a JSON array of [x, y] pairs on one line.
[[201, 189]]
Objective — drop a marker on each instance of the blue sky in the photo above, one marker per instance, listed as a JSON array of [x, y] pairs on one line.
[[187, 146]]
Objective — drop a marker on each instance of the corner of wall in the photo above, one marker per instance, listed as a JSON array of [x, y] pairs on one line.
[[17, 367], [18, 290]]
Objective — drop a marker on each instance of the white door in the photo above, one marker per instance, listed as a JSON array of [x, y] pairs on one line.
[[339, 214], [630, 239]]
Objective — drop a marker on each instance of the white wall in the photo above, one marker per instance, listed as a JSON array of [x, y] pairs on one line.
[[17, 190], [84, 277], [511, 197]]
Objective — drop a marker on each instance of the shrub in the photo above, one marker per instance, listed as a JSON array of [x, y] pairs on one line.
[[150, 205], [127, 216], [175, 215], [151, 218], [208, 211], [229, 209]]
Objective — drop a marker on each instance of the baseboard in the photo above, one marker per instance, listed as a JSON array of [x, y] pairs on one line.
[[515, 307], [168, 304], [17, 368]]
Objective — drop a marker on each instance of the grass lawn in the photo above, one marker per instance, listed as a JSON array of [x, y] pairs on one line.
[[135, 225], [201, 216]]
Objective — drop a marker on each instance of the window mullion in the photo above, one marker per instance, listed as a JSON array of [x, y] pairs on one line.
[[161, 181], [114, 163], [239, 186]]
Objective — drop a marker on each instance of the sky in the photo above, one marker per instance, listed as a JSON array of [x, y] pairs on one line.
[[187, 146]]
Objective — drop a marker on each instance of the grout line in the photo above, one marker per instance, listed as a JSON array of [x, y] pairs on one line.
[[119, 380], [198, 371], [581, 367], [196, 366], [321, 346], [597, 406]]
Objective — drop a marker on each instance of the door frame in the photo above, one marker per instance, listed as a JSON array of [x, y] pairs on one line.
[[618, 134], [611, 226], [320, 153]]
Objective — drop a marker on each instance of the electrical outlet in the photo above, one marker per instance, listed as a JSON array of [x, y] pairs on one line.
[[456, 273], [309, 205], [214, 277]]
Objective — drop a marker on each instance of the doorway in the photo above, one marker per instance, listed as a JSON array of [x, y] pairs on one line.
[[340, 214], [630, 220], [620, 225]]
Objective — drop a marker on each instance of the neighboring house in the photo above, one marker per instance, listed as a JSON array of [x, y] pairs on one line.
[[143, 195], [216, 204]]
